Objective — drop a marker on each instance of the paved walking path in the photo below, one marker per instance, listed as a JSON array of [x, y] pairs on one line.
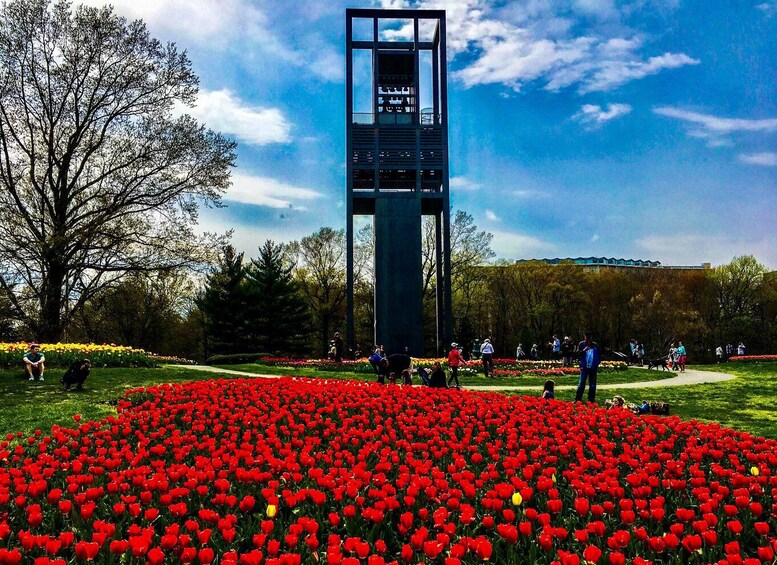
[[689, 377]]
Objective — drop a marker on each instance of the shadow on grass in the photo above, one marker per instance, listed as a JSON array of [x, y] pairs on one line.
[[26, 406]]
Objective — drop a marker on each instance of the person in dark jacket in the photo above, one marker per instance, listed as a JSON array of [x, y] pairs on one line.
[[397, 364], [567, 351], [589, 363], [76, 374], [339, 347], [437, 378]]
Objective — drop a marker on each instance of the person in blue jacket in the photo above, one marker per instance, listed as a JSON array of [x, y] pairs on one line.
[[589, 363]]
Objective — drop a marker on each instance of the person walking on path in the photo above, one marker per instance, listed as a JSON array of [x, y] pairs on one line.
[[719, 354], [740, 349], [589, 364], [681, 356], [455, 360], [34, 363], [487, 356], [520, 353]]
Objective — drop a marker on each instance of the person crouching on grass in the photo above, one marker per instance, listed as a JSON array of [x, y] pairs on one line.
[[76, 374], [34, 363]]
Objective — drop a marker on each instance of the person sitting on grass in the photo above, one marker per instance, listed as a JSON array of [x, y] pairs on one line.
[[620, 402], [547, 391], [424, 374], [437, 378], [34, 363], [616, 402], [76, 374], [397, 364]]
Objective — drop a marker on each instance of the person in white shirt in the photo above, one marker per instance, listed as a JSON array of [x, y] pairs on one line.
[[487, 355], [520, 353], [555, 347], [719, 354]]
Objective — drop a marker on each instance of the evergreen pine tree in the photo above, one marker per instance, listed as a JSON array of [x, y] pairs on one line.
[[224, 305], [278, 315]]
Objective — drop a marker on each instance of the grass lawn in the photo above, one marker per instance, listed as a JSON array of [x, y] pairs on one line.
[[632, 375], [28, 406], [746, 403]]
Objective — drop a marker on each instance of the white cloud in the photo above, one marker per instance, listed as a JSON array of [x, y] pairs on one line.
[[519, 246], [197, 20], [715, 123], [241, 26], [768, 8], [714, 129], [529, 194], [490, 215], [550, 43], [596, 115], [223, 111], [595, 238], [610, 74], [269, 192], [463, 184], [601, 8], [765, 159]]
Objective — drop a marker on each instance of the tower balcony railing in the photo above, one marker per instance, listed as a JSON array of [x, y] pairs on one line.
[[425, 118], [367, 185]]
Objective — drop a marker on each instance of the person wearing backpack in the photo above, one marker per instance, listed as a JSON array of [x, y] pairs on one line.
[[589, 364]]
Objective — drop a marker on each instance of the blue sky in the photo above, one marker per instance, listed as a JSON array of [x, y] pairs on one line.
[[638, 129]]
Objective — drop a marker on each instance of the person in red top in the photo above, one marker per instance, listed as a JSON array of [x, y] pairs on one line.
[[455, 360]]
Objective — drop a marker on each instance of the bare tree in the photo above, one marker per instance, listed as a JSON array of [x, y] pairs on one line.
[[320, 271], [98, 178], [469, 248]]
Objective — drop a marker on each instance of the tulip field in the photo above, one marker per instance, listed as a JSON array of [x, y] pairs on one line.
[[293, 471], [63, 354]]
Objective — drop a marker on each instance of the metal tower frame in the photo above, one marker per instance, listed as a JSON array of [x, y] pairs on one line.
[[397, 171]]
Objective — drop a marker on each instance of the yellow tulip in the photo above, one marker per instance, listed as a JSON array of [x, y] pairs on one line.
[[272, 510], [754, 471], [517, 499]]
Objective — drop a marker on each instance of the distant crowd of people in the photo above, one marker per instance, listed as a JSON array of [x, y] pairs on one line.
[[722, 355], [398, 367]]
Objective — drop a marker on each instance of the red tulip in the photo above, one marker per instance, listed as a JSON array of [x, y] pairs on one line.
[[87, 550], [592, 554]]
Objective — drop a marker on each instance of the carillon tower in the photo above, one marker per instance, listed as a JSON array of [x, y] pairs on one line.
[[397, 165]]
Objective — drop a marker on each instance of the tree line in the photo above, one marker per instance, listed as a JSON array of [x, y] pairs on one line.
[[290, 300]]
